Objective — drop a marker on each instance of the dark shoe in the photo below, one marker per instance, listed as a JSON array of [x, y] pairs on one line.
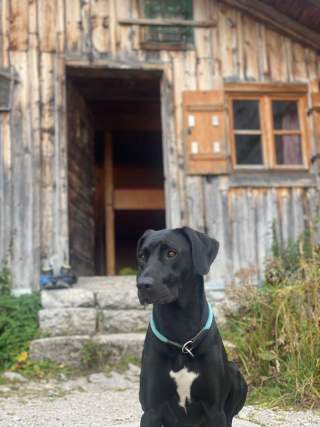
[[66, 277]]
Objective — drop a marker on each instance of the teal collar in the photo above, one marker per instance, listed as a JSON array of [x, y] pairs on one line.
[[188, 346]]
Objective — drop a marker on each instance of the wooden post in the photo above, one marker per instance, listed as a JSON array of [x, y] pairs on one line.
[[109, 210]]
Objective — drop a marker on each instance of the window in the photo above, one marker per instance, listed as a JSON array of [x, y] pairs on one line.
[[171, 36], [268, 129]]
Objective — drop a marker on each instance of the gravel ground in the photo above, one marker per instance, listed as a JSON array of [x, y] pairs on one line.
[[100, 401]]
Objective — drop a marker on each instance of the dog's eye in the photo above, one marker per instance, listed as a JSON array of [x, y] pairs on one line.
[[171, 253], [141, 257]]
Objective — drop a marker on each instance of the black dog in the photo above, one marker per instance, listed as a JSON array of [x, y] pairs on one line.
[[186, 379]]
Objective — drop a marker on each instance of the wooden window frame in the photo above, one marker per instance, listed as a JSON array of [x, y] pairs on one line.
[[265, 94], [164, 22]]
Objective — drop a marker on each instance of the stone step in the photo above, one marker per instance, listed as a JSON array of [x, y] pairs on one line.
[[103, 292], [118, 292], [73, 350], [90, 321]]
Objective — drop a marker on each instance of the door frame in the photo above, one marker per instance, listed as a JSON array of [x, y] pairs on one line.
[[172, 175]]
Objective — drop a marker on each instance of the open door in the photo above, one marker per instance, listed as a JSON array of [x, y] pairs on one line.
[[81, 180]]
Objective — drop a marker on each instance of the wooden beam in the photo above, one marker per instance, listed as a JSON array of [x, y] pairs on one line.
[[167, 22], [278, 21], [109, 210], [138, 199]]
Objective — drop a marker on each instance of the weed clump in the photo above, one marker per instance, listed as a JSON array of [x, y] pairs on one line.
[[276, 331], [18, 326]]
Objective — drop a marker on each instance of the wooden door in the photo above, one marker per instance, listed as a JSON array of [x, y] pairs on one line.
[[81, 180]]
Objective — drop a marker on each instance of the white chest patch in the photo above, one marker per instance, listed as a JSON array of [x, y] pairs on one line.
[[183, 380]]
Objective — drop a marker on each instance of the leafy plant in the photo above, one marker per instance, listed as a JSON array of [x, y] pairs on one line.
[[276, 331], [18, 326], [5, 285]]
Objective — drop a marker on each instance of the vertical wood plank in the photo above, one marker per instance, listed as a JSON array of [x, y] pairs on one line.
[[47, 153], [312, 64], [22, 188], [194, 188], [73, 26], [47, 12], [275, 47], [4, 31], [100, 23], [34, 100], [263, 54], [113, 26], [216, 49], [61, 226], [178, 87], [170, 151], [250, 49], [61, 26], [298, 62], [227, 32], [110, 232], [203, 39], [123, 40], [18, 34]]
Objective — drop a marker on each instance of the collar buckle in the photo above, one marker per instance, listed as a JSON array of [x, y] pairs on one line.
[[187, 348]]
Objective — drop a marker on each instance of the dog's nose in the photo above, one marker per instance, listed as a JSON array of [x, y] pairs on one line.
[[145, 283]]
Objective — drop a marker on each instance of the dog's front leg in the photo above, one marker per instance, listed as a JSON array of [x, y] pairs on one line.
[[151, 418], [214, 417]]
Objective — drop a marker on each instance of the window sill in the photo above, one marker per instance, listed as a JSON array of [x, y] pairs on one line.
[[165, 46], [272, 178]]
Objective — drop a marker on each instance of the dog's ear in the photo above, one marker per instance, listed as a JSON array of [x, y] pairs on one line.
[[204, 249], [142, 239]]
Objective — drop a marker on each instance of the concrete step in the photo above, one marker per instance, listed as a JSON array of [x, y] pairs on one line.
[[73, 350]]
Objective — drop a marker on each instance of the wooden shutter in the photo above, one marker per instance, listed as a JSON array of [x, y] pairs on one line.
[[6, 89], [204, 126]]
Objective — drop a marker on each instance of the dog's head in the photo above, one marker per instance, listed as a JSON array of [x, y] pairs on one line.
[[169, 258]]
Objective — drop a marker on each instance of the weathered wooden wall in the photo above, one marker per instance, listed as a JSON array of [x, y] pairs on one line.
[[40, 37]]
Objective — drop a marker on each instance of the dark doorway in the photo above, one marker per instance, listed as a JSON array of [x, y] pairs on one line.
[[116, 183]]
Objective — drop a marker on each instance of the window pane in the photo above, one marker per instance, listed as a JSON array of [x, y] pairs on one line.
[[248, 150], [285, 115], [288, 150], [246, 115]]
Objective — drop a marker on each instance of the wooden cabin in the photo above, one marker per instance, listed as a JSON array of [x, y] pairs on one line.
[[122, 115]]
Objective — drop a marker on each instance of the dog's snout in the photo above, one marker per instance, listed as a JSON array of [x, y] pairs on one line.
[[145, 283]]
